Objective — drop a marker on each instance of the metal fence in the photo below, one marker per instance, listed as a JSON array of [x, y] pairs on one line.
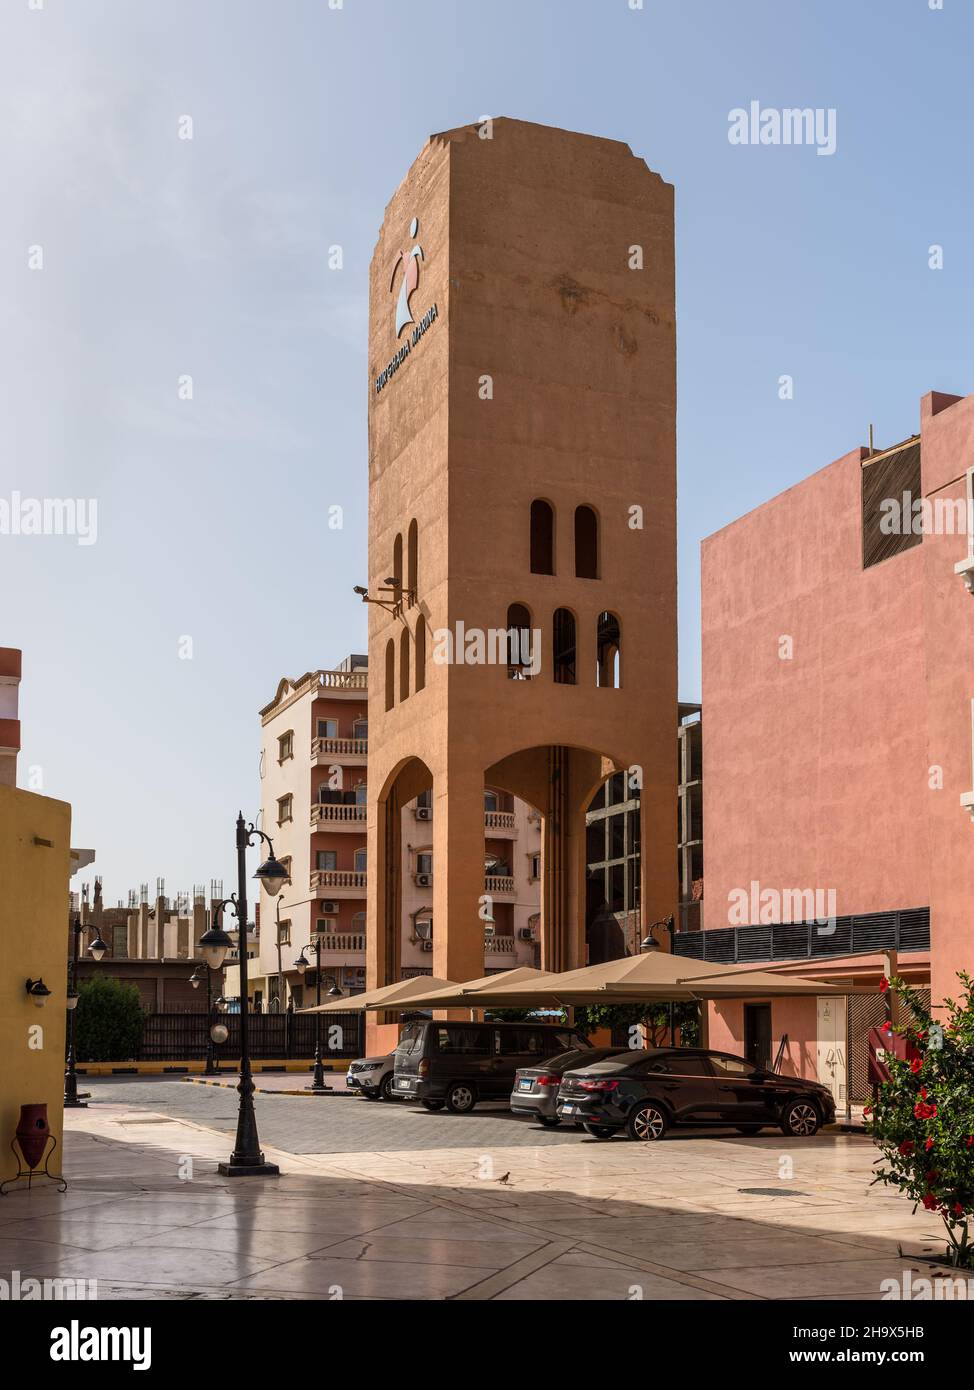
[[273, 1037], [908, 930]]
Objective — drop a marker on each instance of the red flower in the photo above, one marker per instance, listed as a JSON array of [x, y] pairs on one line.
[[958, 1209], [922, 1111], [884, 984], [916, 1065], [867, 1110], [906, 1148], [931, 1177], [928, 1145], [970, 1141], [923, 1092], [930, 1201]]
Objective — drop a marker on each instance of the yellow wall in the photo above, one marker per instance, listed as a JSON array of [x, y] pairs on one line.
[[33, 942]]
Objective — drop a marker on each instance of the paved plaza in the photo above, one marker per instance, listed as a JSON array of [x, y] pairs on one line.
[[382, 1201]]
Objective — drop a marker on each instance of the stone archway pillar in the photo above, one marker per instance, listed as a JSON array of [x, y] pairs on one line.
[[458, 871]]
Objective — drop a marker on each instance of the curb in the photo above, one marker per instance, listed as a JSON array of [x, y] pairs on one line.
[[265, 1090]]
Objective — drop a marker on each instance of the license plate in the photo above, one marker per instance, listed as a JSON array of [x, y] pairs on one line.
[[568, 1109], [524, 1085], [404, 1085]]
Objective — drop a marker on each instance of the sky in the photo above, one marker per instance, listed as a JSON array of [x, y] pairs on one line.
[[133, 258]]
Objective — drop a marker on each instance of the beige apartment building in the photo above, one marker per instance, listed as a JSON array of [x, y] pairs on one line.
[[314, 771]]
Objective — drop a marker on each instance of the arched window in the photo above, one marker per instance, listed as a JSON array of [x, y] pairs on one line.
[[361, 861], [390, 673], [586, 543], [412, 562], [397, 561], [609, 652], [542, 538], [421, 653], [563, 646], [491, 801], [404, 664], [520, 656]]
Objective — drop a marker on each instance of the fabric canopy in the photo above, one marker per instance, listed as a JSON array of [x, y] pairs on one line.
[[387, 996], [475, 994]]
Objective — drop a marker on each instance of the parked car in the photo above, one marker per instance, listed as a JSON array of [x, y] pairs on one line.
[[457, 1064], [536, 1088], [647, 1092], [371, 1076]]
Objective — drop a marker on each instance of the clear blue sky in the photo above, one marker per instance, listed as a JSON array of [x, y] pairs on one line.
[[208, 257]]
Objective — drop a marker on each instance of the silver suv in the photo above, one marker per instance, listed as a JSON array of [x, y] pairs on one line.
[[372, 1077]]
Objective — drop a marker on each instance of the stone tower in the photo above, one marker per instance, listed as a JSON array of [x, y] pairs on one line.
[[522, 478]]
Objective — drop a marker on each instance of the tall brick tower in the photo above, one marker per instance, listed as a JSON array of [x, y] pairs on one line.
[[522, 476]]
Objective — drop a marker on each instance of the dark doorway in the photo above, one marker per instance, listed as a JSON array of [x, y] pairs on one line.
[[757, 1035]]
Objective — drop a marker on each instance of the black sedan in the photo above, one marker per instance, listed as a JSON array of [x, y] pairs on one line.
[[647, 1092], [536, 1088]]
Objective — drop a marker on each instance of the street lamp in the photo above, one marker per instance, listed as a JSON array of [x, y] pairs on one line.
[[651, 944], [246, 1159], [97, 949], [301, 965], [210, 1067]]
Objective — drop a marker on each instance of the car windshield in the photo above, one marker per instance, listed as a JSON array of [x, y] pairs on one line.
[[411, 1040]]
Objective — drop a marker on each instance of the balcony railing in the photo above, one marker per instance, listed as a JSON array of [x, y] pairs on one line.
[[499, 820], [498, 883], [499, 945], [341, 746], [343, 680], [341, 941], [907, 930], [337, 878], [332, 813]]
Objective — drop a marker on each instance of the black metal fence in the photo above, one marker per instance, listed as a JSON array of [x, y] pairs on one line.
[[908, 930], [273, 1037]]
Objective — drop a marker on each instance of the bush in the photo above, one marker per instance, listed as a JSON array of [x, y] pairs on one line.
[[108, 1021], [686, 1017], [923, 1117]]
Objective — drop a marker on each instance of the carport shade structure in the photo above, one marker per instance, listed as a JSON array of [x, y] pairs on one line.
[[475, 994], [656, 978], [387, 996]]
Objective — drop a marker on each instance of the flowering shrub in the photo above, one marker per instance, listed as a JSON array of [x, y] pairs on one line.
[[923, 1118]]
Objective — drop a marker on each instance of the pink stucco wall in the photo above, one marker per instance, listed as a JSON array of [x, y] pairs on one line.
[[817, 768]]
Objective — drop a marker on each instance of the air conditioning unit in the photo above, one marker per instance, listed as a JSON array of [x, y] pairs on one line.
[[328, 906], [424, 813], [526, 934], [426, 945], [424, 880]]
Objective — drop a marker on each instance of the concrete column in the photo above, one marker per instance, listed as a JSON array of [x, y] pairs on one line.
[[458, 872]]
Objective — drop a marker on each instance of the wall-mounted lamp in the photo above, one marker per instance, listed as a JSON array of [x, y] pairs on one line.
[[38, 992]]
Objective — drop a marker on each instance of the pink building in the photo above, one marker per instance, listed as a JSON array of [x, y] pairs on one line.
[[838, 685]]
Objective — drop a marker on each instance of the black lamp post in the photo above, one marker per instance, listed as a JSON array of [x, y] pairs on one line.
[[651, 944], [210, 1067], [98, 949], [246, 1160], [301, 965]]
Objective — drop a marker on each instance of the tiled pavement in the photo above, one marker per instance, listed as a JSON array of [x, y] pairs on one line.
[[553, 1215]]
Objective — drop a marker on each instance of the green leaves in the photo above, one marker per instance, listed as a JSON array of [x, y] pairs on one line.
[[923, 1118], [108, 1021]]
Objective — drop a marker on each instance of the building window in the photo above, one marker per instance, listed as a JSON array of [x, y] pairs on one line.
[[586, 543], [360, 729], [358, 922], [397, 561], [326, 924], [326, 860], [285, 809], [390, 674], [424, 862], [361, 794], [542, 537], [519, 641], [327, 728], [491, 801], [609, 645], [412, 561], [421, 653], [286, 861], [361, 861], [534, 867], [563, 638], [284, 932], [404, 664], [423, 924], [285, 746]]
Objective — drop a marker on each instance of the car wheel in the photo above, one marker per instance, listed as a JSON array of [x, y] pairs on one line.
[[749, 1129], [434, 1104], [647, 1121], [549, 1121], [385, 1090], [460, 1098], [600, 1131], [800, 1119]]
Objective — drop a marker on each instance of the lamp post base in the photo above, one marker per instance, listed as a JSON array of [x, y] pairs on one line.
[[73, 1103], [248, 1170]]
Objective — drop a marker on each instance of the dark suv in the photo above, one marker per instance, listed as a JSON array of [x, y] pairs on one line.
[[647, 1092], [457, 1064]]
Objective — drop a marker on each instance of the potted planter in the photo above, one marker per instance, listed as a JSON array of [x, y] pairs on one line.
[[33, 1132]]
